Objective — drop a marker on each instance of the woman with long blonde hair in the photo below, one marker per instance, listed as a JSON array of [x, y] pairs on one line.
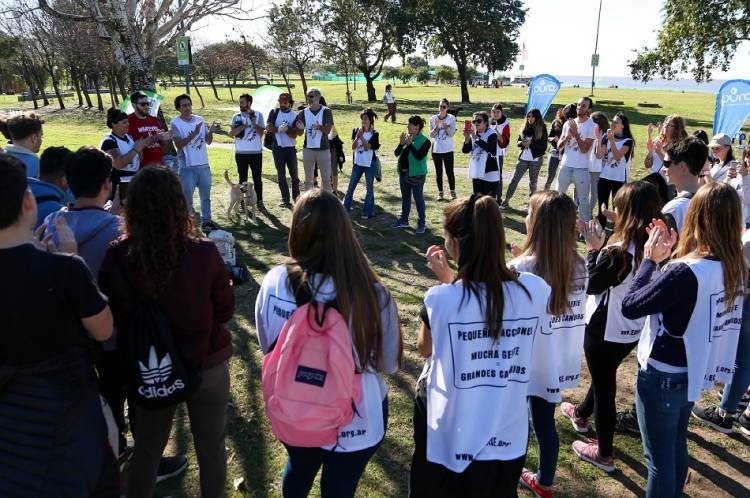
[[550, 253], [694, 308]]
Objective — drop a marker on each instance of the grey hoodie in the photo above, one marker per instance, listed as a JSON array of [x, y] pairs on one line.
[[94, 230]]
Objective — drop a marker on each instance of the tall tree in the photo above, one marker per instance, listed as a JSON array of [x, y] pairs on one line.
[[360, 31], [480, 32], [697, 36], [291, 26], [138, 29]]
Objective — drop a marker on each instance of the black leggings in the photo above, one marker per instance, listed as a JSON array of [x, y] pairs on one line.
[[440, 158], [481, 479], [603, 358], [255, 162], [604, 188]]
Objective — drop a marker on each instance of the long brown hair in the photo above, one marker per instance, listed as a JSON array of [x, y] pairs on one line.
[[158, 227], [713, 226], [678, 129], [476, 224], [322, 243], [636, 204], [551, 239]]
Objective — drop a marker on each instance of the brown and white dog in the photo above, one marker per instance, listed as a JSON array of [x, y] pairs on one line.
[[241, 192]]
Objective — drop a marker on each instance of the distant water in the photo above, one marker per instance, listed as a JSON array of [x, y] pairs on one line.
[[688, 85]]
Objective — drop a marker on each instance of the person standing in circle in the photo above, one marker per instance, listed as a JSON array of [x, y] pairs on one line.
[[470, 321], [327, 264], [550, 253], [501, 124], [616, 150], [412, 171], [247, 129], [481, 142], [693, 313], [365, 143], [124, 151], [610, 337], [442, 129], [533, 143]]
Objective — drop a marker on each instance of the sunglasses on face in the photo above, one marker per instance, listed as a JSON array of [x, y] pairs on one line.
[[477, 121], [311, 96], [667, 163], [146, 104], [443, 106]]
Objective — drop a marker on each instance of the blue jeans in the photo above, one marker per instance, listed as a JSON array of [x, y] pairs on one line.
[[200, 176], [357, 172], [734, 390], [406, 194], [341, 471], [543, 421], [663, 414]]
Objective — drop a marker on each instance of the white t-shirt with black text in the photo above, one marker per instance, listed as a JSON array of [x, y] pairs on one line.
[[248, 141], [195, 152]]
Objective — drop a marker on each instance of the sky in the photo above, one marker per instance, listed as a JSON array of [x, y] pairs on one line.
[[625, 26]]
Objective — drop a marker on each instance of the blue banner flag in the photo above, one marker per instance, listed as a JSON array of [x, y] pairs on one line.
[[732, 107], [543, 89]]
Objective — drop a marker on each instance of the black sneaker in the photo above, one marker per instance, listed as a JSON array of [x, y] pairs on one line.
[[744, 422], [208, 225], [171, 467], [627, 422], [711, 417], [744, 401], [504, 205], [261, 206]]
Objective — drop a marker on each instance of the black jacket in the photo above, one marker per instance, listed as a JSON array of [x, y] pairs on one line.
[[538, 146]]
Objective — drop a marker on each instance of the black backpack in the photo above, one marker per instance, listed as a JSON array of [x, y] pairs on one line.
[[157, 374], [269, 139]]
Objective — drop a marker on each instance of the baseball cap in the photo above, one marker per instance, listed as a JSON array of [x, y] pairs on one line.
[[720, 139]]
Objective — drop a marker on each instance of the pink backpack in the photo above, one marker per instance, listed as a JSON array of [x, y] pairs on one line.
[[310, 384]]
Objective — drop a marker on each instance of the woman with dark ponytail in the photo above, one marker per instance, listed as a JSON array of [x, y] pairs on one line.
[[365, 143], [478, 333]]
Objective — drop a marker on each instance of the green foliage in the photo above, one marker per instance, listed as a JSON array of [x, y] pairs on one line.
[[697, 36], [406, 73], [481, 32], [446, 74], [417, 62]]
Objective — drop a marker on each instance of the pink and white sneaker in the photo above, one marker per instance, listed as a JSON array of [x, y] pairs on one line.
[[581, 425], [528, 479], [589, 452]]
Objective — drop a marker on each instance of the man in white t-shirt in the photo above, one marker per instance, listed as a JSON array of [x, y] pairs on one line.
[[247, 129], [683, 162], [576, 141], [191, 137]]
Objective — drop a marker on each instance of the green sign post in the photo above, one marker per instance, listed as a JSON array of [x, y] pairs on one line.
[[594, 60], [183, 50]]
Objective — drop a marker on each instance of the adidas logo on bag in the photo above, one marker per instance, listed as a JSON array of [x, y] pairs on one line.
[[157, 372]]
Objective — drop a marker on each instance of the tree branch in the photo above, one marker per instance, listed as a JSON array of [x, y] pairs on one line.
[[63, 15]]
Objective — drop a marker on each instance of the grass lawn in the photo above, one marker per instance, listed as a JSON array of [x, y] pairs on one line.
[[718, 463]]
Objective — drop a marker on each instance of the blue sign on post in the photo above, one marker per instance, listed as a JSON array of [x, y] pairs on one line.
[[543, 89], [732, 107]]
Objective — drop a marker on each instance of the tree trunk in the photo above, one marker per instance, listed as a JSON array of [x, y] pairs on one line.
[[229, 84], [213, 87], [198, 92], [255, 72], [30, 84], [56, 86], [40, 83], [99, 102], [86, 92], [76, 85], [286, 80], [301, 71], [120, 80], [464, 85], [371, 95]]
